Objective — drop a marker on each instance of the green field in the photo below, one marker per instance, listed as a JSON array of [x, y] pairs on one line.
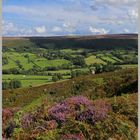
[[129, 66], [107, 58], [50, 63], [29, 63], [92, 59], [13, 57], [30, 80], [32, 61]]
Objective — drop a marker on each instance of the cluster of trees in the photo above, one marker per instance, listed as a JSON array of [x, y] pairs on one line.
[[57, 77], [11, 71], [79, 61], [12, 84], [52, 55], [104, 68]]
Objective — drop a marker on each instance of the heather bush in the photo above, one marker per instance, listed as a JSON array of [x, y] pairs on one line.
[[8, 125], [7, 132], [94, 113], [78, 108], [28, 121], [7, 114]]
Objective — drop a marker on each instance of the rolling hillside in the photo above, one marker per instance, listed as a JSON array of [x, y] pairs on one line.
[[97, 42]]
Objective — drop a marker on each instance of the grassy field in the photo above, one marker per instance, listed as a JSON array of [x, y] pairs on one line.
[[107, 58], [129, 66], [30, 80], [13, 57], [33, 59], [72, 51], [50, 63], [28, 60], [92, 59]]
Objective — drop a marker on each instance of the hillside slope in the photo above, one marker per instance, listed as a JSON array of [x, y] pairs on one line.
[[96, 42]]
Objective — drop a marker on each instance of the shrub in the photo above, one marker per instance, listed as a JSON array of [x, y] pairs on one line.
[[126, 105], [7, 114], [78, 108], [15, 83], [114, 127], [5, 85], [55, 78], [28, 121]]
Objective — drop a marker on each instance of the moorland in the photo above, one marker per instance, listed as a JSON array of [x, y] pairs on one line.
[[70, 87]]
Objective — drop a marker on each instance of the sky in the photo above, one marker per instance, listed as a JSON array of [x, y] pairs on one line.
[[69, 17]]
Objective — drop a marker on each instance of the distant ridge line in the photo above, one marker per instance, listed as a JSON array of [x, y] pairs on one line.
[[75, 36]]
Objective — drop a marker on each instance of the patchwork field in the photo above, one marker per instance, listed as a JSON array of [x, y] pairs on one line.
[[23, 65], [29, 62]]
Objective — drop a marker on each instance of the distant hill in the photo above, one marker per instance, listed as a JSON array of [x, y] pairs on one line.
[[97, 42]]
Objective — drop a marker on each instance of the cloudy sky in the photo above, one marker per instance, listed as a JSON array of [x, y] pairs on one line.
[[69, 17]]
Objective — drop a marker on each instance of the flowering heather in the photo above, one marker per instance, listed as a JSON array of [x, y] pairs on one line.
[[79, 108], [6, 114], [28, 120], [94, 113], [78, 100]]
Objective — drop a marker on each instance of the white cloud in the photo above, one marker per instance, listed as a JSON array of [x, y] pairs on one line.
[[69, 27], [112, 20], [98, 30], [117, 3], [133, 14], [47, 12], [126, 30], [57, 29], [8, 27], [66, 25], [74, 17], [41, 29]]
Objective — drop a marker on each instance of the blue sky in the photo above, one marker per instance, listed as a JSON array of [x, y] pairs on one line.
[[69, 17]]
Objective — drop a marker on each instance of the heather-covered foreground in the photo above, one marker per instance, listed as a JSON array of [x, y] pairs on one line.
[[82, 109], [77, 117]]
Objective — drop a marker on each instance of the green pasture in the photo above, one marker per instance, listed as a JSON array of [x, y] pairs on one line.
[[92, 59], [28, 63], [30, 80], [50, 63], [107, 58], [71, 51], [129, 66]]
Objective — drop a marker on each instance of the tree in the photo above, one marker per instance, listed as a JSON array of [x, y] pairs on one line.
[[59, 75], [4, 60], [73, 74], [79, 60], [55, 78], [5, 85], [15, 83]]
